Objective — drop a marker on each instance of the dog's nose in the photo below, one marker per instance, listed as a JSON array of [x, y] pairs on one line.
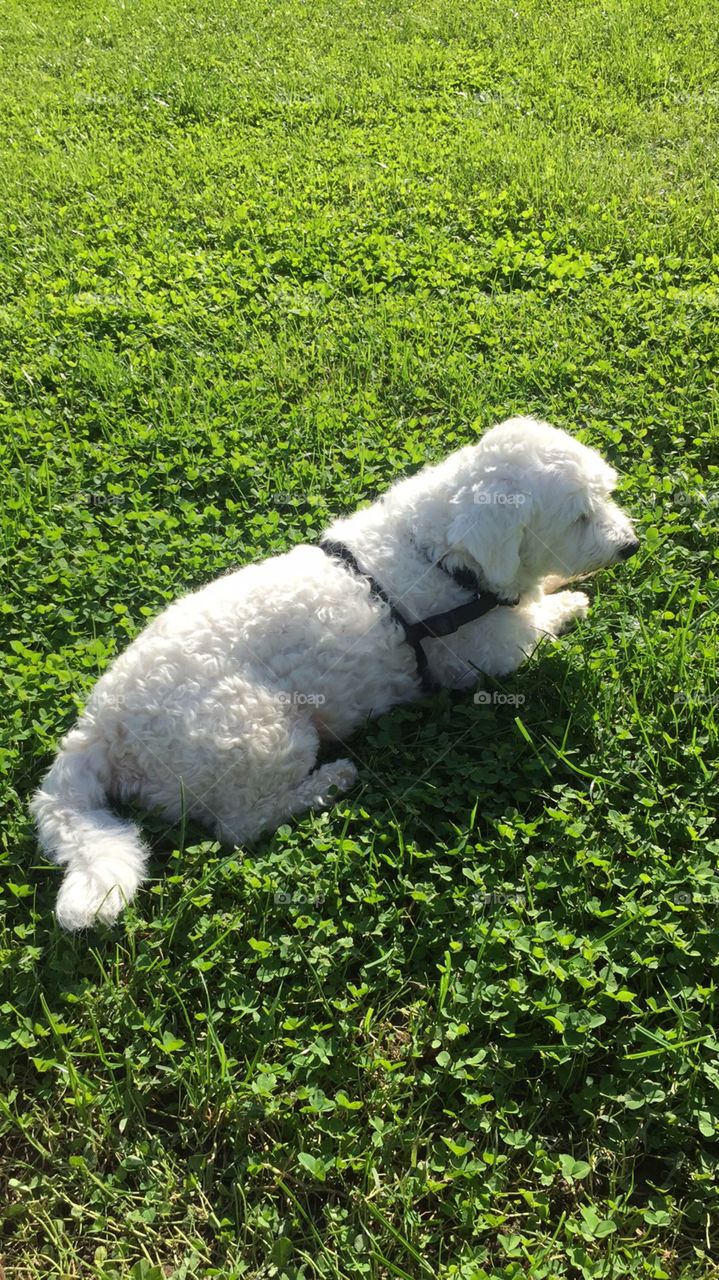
[[628, 549]]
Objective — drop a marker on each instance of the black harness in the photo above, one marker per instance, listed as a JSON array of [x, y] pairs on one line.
[[434, 627]]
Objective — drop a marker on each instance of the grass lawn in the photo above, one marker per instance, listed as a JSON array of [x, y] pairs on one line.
[[256, 260]]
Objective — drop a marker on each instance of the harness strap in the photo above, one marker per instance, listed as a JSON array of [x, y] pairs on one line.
[[445, 624], [439, 624]]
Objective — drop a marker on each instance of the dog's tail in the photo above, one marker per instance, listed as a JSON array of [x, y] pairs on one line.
[[103, 855]]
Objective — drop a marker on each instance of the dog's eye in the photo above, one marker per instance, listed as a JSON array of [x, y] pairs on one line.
[[583, 519]]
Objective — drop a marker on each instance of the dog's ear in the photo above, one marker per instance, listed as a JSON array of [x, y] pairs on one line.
[[489, 526]]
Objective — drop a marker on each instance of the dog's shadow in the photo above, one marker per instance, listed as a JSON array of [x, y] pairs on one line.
[[429, 766], [430, 770]]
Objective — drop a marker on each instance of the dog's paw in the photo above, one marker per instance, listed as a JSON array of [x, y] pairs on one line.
[[343, 774], [576, 603], [564, 608], [332, 780]]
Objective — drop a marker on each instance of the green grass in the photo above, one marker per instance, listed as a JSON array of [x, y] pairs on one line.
[[255, 261]]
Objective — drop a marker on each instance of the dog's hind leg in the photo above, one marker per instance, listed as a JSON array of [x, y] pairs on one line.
[[268, 788], [319, 790]]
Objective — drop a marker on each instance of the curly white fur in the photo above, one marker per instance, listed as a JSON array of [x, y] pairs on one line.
[[218, 707]]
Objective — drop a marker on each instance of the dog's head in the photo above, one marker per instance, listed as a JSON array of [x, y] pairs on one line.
[[532, 503]]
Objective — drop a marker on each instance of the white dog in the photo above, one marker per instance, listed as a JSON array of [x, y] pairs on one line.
[[217, 709]]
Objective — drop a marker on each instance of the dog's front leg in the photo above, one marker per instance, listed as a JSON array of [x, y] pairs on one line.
[[513, 634], [557, 612], [500, 642]]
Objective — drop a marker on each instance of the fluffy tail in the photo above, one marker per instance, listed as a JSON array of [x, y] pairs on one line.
[[103, 855]]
